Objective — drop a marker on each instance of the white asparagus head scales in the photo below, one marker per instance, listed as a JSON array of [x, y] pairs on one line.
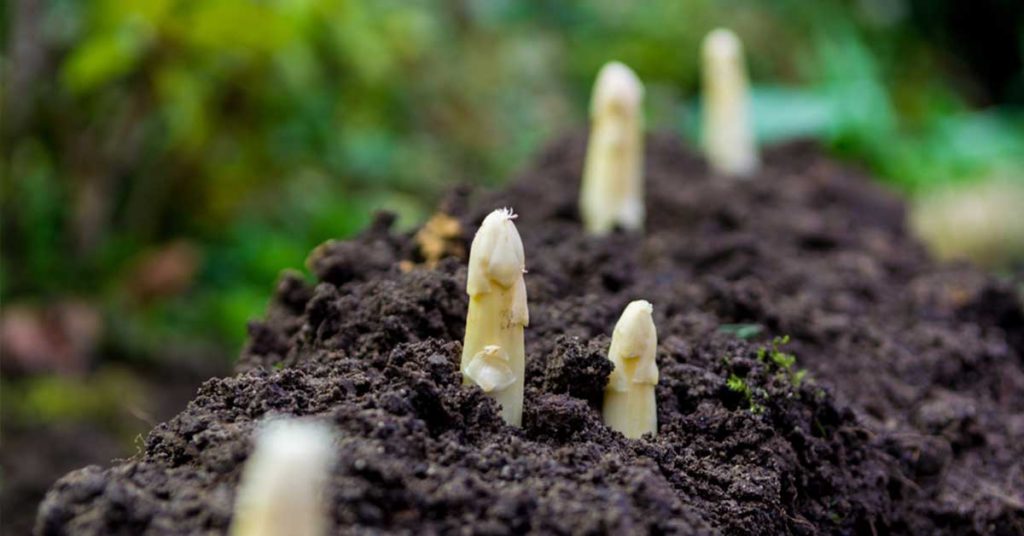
[[634, 337], [496, 258], [617, 90], [282, 487], [727, 128], [612, 190], [490, 369]]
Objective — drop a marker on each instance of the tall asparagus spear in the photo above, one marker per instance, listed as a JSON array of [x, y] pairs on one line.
[[493, 355]]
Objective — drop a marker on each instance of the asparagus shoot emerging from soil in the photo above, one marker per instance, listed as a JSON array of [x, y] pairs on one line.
[[612, 190], [727, 130], [629, 403], [281, 492], [493, 353]]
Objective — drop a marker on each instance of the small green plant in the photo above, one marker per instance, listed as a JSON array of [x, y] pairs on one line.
[[739, 385], [784, 361]]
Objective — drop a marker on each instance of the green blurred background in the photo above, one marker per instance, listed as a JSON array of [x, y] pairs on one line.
[[163, 160]]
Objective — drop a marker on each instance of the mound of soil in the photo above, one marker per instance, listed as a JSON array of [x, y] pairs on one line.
[[910, 419]]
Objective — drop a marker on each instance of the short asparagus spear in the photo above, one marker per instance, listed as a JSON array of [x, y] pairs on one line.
[[493, 355], [629, 402], [281, 493], [728, 135], [612, 191]]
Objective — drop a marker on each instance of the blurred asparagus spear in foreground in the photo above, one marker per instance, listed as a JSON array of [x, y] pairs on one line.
[[612, 190], [727, 130], [493, 356], [629, 403], [281, 493]]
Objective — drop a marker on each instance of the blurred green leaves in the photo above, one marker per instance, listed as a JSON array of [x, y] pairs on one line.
[[255, 129], [108, 398]]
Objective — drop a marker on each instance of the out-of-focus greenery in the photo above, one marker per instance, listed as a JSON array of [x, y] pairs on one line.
[[107, 398], [255, 129]]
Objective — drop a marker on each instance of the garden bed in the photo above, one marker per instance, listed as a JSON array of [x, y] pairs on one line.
[[910, 417]]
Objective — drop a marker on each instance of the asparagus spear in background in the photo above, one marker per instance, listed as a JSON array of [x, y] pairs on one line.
[[727, 130], [612, 190]]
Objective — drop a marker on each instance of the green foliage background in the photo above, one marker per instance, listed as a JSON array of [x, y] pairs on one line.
[[255, 129]]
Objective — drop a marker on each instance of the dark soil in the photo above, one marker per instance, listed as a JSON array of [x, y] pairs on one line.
[[911, 419]]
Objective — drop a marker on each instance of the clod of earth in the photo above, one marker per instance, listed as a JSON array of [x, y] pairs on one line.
[[908, 420]]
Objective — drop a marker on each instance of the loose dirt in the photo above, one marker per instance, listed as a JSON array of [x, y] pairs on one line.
[[909, 419]]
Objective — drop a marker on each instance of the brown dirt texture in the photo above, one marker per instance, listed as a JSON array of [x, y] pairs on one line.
[[909, 417]]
